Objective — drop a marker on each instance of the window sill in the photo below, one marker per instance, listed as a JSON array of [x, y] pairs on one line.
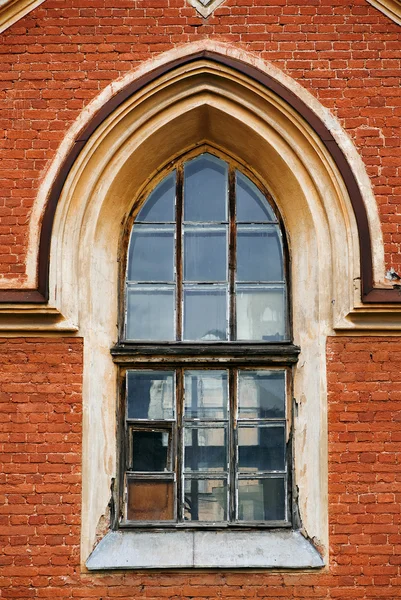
[[204, 549]]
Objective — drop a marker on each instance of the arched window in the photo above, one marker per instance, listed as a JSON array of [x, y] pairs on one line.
[[205, 353]]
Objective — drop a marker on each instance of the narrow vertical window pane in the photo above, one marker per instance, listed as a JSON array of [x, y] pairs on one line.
[[252, 206], [206, 395], [205, 313], [151, 253], [261, 499], [205, 189], [150, 313], [261, 448], [205, 500], [160, 204], [261, 313], [150, 500], [261, 394], [150, 395], [205, 449], [205, 253], [259, 253]]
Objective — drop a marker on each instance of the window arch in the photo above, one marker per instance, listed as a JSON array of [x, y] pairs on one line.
[[206, 259], [205, 353]]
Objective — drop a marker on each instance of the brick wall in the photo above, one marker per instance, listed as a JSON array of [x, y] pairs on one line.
[[40, 417], [60, 56]]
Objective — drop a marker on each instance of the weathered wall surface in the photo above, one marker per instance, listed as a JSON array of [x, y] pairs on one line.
[[40, 415], [58, 58]]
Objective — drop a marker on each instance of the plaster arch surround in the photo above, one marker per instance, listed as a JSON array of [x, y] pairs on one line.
[[196, 104]]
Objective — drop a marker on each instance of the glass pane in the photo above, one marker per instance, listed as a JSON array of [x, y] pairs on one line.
[[205, 189], [151, 451], [259, 253], [150, 313], [205, 449], [160, 204], [261, 313], [261, 448], [205, 313], [150, 395], [150, 500], [205, 500], [261, 499], [261, 394], [252, 206], [151, 253], [205, 253], [206, 395]]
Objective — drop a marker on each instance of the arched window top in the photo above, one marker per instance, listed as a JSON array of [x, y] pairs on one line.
[[206, 260]]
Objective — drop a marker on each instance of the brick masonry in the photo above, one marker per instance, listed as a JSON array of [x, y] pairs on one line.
[[40, 416], [58, 58]]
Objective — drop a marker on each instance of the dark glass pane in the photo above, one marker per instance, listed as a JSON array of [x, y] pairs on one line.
[[205, 449], [151, 451], [252, 206], [205, 189], [151, 253], [205, 500], [259, 253], [261, 313], [150, 395], [261, 499], [159, 206], [150, 313], [205, 313], [206, 395], [261, 448], [150, 500], [261, 394], [205, 253]]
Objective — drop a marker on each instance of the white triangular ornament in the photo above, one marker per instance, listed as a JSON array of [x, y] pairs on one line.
[[205, 7]]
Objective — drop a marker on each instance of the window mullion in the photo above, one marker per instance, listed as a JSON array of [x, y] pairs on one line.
[[232, 244], [179, 466], [178, 250], [232, 469]]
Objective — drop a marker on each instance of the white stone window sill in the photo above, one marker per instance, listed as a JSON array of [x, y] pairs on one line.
[[204, 549]]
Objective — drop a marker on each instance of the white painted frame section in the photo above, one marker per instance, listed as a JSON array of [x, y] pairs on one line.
[[12, 11], [390, 8]]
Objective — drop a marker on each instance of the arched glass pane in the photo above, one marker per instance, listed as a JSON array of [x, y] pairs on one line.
[[252, 206], [205, 189], [151, 253], [259, 253], [160, 204]]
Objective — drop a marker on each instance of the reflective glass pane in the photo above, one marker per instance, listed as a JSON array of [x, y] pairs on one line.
[[205, 449], [261, 313], [261, 394], [259, 253], [150, 500], [205, 313], [151, 253], [252, 206], [261, 499], [150, 313], [160, 204], [205, 253], [205, 189], [206, 395], [150, 395], [261, 448], [151, 451], [205, 500]]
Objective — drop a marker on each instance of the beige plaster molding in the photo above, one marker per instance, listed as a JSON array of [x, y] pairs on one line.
[[26, 320], [205, 7], [390, 8], [12, 11]]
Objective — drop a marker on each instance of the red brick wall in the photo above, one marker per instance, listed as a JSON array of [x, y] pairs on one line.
[[40, 418], [60, 56]]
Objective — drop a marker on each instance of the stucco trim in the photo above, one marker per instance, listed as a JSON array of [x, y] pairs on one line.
[[390, 8], [204, 550], [12, 11], [319, 119]]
